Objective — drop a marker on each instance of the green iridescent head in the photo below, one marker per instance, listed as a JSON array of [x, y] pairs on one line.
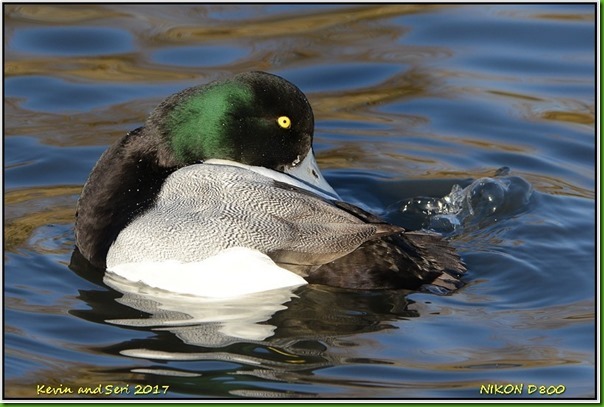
[[253, 118]]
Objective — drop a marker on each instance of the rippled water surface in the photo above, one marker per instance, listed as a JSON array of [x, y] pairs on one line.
[[410, 101]]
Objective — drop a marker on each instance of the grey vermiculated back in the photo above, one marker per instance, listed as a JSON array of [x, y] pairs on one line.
[[203, 209]]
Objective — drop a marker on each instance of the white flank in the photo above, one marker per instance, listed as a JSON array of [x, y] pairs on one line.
[[233, 272]]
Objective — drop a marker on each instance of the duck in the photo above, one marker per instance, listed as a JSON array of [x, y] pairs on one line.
[[220, 188]]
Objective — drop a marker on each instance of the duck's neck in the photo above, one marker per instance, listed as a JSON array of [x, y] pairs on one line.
[[123, 184]]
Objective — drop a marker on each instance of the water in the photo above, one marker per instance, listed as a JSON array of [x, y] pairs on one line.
[[418, 109]]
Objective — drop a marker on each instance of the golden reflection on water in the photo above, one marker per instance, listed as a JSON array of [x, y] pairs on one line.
[[292, 24], [126, 68], [320, 26], [537, 109], [31, 208], [98, 127], [556, 186], [515, 95], [559, 16], [571, 117], [20, 196], [355, 104], [58, 14], [565, 16]]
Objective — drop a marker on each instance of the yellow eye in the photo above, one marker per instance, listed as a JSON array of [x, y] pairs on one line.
[[284, 122]]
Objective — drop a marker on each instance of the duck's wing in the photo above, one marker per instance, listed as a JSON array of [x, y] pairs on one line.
[[323, 230], [405, 260], [396, 258]]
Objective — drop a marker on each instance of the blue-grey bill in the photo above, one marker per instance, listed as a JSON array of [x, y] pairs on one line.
[[308, 172]]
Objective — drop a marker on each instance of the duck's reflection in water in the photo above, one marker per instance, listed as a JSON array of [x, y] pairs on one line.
[[280, 335], [199, 321], [307, 312]]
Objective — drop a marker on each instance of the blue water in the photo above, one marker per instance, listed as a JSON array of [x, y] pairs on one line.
[[474, 121]]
